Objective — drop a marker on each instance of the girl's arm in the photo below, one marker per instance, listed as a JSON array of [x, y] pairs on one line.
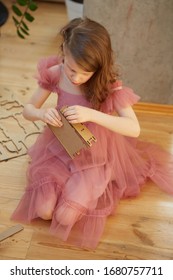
[[33, 111], [125, 123]]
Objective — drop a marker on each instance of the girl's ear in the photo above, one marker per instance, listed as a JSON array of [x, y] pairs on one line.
[[63, 52], [62, 49]]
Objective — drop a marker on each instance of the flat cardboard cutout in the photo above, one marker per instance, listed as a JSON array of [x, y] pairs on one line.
[[73, 137]]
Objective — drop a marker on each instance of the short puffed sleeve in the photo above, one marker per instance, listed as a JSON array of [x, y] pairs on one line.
[[119, 97], [47, 78]]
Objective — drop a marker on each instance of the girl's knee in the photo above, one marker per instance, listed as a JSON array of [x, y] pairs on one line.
[[66, 215], [45, 214], [46, 209]]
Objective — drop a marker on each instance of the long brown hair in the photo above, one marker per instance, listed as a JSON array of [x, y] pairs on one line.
[[90, 46]]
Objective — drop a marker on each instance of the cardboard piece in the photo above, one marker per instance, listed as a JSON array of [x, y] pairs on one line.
[[73, 137], [85, 133], [10, 231]]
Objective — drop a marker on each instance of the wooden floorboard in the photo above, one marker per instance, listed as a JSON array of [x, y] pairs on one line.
[[142, 227]]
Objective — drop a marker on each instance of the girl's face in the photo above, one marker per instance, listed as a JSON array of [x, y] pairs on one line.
[[75, 74]]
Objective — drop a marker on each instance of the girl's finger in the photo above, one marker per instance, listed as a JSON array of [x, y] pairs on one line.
[[56, 114], [71, 117], [69, 111], [53, 121]]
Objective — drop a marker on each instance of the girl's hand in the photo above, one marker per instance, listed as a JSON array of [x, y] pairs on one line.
[[77, 114], [51, 116]]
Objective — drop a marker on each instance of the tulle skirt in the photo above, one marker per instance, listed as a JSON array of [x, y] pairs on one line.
[[83, 192]]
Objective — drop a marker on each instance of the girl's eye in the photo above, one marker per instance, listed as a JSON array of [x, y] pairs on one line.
[[71, 69]]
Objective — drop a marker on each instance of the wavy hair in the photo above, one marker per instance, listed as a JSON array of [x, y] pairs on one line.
[[89, 44]]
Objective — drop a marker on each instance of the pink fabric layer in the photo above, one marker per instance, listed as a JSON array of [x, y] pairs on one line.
[[92, 184]]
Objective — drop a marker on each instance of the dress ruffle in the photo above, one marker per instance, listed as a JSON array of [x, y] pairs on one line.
[[91, 185], [45, 77], [121, 97]]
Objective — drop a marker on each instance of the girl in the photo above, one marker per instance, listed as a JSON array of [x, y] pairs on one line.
[[78, 194]]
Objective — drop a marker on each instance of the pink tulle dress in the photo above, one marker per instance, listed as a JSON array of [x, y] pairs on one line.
[[92, 183]]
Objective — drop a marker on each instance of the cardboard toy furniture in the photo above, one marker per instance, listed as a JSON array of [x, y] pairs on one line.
[[73, 137]]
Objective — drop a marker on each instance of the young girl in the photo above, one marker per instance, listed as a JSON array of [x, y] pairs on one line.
[[78, 194]]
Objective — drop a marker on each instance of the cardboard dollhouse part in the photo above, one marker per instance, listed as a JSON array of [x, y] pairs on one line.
[[68, 137], [10, 231], [83, 131], [72, 137]]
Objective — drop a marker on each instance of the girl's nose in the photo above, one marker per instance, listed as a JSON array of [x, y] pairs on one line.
[[75, 78]]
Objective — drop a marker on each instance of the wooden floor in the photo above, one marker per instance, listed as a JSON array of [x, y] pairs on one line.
[[142, 227]]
